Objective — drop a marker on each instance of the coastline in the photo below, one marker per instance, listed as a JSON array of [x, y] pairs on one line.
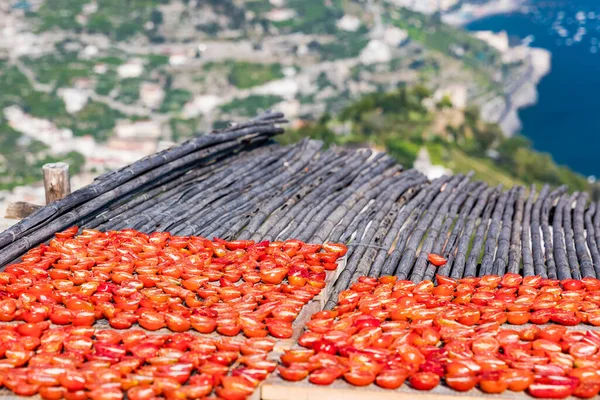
[[521, 90], [468, 13]]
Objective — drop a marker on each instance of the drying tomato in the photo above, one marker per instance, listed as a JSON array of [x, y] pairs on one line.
[[424, 380], [461, 383], [324, 376], [359, 377], [550, 391], [391, 378], [292, 373], [493, 382], [436, 260], [279, 329]]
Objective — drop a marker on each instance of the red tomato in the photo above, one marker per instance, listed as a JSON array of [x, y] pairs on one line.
[[279, 329], [391, 378], [493, 382], [518, 317], [461, 383], [296, 356], [436, 260], [151, 320], [424, 380], [549, 391], [324, 346], [518, 380], [292, 373], [572, 284], [324, 376], [359, 377]]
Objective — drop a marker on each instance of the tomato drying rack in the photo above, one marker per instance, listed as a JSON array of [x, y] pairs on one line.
[[238, 183]]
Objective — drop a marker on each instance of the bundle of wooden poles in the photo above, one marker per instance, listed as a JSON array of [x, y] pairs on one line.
[[239, 184]]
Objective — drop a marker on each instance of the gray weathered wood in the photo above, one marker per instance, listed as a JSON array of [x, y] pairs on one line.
[[57, 183], [20, 210]]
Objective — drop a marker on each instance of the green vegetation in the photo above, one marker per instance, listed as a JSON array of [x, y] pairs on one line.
[[118, 19], [400, 123], [230, 8], [60, 14], [479, 57], [251, 105], [446, 39], [345, 45], [59, 69], [96, 119], [314, 17], [17, 170], [16, 90], [156, 61], [245, 75], [129, 91], [106, 82], [258, 6], [174, 100], [111, 60], [183, 128]]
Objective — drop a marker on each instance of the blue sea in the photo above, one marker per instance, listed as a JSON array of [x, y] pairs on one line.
[[566, 120]]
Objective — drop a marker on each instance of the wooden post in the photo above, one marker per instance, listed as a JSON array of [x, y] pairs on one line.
[[57, 183], [20, 210]]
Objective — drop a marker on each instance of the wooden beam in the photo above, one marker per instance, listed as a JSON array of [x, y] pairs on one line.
[[57, 183], [20, 210]]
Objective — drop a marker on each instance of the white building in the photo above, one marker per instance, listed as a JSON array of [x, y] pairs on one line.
[[84, 83], [280, 14], [131, 69], [178, 58], [100, 68], [144, 130], [90, 51], [90, 7], [349, 23], [59, 140], [75, 99], [375, 52], [201, 105], [286, 88], [151, 94], [394, 36]]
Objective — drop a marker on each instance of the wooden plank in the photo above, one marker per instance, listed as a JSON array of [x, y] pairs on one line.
[[304, 316], [330, 281], [20, 210], [57, 183], [314, 306], [277, 389]]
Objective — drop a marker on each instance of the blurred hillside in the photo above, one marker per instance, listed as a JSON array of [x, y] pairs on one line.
[[101, 83]]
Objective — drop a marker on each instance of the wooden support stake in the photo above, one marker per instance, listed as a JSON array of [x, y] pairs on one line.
[[20, 210], [57, 183]]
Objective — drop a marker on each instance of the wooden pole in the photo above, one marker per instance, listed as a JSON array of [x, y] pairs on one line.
[[20, 210], [57, 183]]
